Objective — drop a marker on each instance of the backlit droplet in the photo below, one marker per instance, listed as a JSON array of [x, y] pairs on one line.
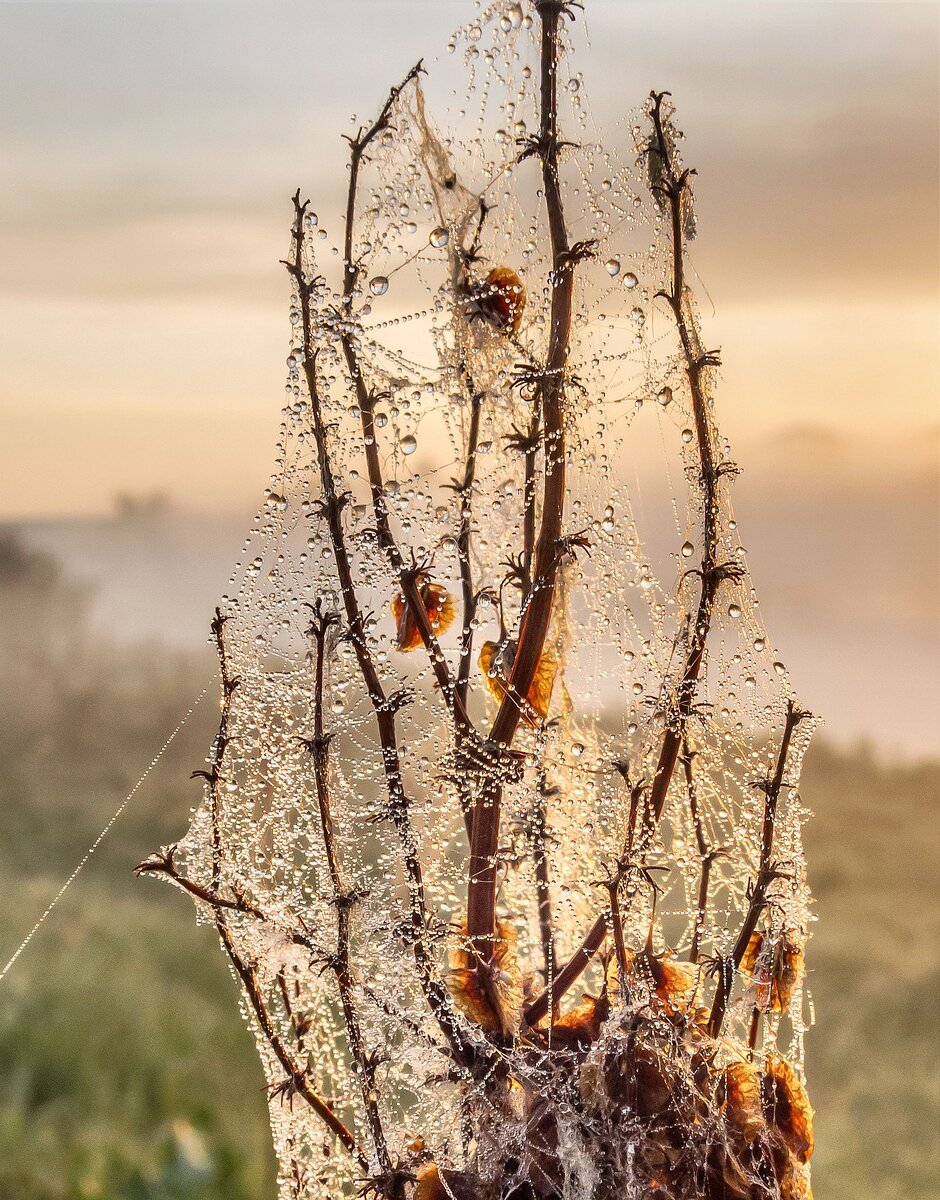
[[439, 237], [378, 285], [665, 396], [630, 281], [734, 611], [409, 444], [613, 266], [638, 316], [687, 435], [687, 549]]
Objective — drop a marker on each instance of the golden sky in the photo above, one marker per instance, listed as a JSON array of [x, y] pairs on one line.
[[150, 150]]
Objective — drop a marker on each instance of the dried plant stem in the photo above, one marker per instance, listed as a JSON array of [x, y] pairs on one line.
[[482, 876], [767, 872], [343, 900], [409, 574], [706, 854], [213, 775], [539, 836], [672, 190], [384, 706], [296, 1076], [163, 864]]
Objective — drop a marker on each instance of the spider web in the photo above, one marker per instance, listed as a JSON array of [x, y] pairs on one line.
[[622, 624]]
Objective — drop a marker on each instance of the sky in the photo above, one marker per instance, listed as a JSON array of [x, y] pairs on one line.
[[149, 153]]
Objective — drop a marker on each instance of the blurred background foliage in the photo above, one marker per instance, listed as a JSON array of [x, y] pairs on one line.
[[126, 1072]]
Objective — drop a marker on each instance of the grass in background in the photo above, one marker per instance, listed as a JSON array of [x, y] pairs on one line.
[[125, 1070]]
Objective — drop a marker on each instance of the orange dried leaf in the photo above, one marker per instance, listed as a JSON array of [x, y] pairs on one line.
[[786, 1106], [429, 1185], [676, 983], [741, 1099], [496, 664], [440, 606]]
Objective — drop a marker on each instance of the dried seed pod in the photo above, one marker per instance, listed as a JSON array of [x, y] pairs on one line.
[[440, 606], [740, 1098]]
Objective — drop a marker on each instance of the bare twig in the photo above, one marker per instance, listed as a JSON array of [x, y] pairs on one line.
[[343, 901], [712, 572], [767, 873], [408, 575], [297, 1081]]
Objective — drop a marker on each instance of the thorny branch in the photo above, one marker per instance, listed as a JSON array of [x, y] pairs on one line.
[[343, 900], [767, 873]]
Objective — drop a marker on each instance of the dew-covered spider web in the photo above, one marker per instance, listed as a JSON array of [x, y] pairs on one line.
[[631, 1023]]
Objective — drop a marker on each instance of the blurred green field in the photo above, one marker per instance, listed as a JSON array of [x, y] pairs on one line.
[[125, 1071]]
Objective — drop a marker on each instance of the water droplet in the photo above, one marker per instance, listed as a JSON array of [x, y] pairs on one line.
[[409, 444], [687, 549], [734, 611], [613, 266], [630, 281], [577, 749], [687, 435], [439, 237], [378, 286], [638, 316], [780, 668], [665, 396], [514, 14], [759, 644]]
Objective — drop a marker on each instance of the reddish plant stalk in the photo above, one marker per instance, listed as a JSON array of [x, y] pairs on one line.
[[536, 616]]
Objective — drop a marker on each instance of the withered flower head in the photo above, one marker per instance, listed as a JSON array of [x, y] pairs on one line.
[[440, 606], [490, 994]]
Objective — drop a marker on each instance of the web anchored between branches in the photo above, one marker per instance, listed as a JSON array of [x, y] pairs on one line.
[[501, 831]]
